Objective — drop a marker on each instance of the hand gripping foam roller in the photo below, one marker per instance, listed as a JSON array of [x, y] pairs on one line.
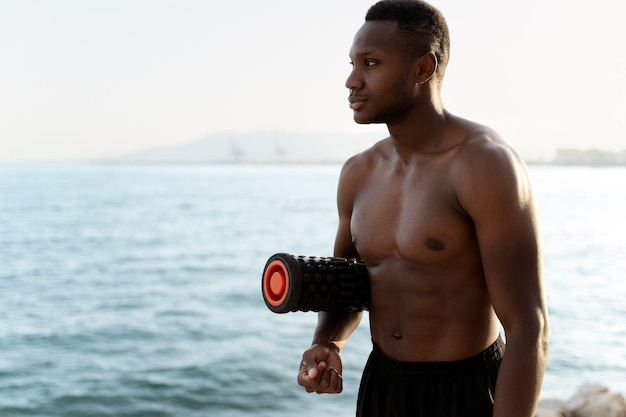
[[309, 283]]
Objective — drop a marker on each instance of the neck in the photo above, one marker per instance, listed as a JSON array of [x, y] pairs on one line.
[[421, 131]]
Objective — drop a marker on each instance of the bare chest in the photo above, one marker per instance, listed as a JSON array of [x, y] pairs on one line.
[[416, 219]]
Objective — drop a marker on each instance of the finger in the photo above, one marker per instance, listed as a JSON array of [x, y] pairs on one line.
[[332, 368], [310, 375], [336, 381], [305, 376], [311, 367], [313, 385], [328, 383]]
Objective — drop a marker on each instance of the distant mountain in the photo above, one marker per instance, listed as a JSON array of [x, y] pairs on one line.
[[290, 147], [264, 146]]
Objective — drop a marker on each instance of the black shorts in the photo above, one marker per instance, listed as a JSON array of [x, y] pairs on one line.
[[462, 388]]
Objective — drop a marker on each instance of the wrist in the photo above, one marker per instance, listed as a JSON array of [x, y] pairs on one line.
[[334, 346]]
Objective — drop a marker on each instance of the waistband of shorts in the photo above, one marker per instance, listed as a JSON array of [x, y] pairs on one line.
[[493, 353]]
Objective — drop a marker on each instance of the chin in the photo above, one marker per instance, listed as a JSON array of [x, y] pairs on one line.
[[368, 121], [365, 120]]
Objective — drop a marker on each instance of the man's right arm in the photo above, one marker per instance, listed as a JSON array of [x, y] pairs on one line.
[[337, 327], [321, 362]]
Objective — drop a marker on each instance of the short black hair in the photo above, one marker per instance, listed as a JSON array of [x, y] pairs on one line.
[[421, 25]]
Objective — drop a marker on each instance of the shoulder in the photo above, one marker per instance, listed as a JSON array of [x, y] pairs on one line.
[[486, 167], [482, 142], [484, 152], [363, 164], [357, 171]]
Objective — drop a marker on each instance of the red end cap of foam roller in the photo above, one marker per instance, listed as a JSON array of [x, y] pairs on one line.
[[276, 283]]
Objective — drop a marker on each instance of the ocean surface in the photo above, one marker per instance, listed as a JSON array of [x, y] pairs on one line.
[[130, 290]]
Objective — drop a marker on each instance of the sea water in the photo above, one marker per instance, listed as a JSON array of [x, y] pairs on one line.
[[129, 290]]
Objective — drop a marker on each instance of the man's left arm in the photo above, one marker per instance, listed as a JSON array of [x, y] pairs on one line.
[[498, 197]]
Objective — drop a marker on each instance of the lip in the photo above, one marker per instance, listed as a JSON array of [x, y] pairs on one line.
[[356, 102]]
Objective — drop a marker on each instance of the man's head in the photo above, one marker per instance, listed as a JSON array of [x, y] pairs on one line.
[[398, 61], [421, 27]]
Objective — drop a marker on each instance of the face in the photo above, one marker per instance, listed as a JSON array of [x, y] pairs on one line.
[[381, 87]]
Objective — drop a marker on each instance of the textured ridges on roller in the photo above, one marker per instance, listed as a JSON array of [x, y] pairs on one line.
[[333, 284], [319, 284]]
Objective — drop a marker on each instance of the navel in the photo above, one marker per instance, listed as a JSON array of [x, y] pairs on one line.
[[434, 244], [395, 334]]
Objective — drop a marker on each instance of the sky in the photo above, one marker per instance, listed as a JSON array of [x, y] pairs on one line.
[[87, 79]]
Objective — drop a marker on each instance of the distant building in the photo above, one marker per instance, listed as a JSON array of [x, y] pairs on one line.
[[590, 157], [236, 152]]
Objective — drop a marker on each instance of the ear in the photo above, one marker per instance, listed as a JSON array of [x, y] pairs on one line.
[[426, 66]]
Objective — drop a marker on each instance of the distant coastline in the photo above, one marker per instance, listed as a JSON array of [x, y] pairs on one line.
[[564, 157], [585, 157], [280, 147]]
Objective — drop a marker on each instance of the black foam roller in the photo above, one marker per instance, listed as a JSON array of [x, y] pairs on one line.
[[309, 283]]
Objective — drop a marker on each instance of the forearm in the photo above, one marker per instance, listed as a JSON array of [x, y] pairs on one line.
[[335, 327], [521, 374]]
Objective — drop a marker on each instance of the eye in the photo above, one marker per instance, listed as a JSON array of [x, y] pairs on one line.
[[365, 63], [369, 62]]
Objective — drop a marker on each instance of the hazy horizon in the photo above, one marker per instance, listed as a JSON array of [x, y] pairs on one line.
[[289, 147]]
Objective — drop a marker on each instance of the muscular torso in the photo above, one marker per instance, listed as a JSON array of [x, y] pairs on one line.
[[429, 298]]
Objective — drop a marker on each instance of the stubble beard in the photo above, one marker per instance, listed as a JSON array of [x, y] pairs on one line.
[[398, 109]]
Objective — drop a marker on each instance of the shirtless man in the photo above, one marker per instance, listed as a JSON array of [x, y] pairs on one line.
[[442, 213]]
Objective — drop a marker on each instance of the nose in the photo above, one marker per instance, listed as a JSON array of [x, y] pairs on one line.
[[354, 81]]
